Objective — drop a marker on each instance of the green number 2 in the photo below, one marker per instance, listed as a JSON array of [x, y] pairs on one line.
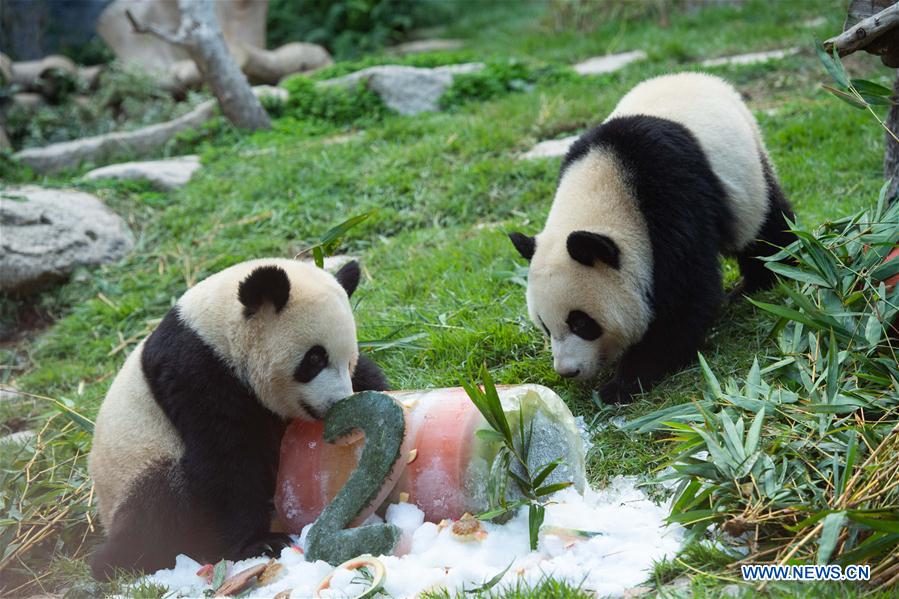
[[382, 421]]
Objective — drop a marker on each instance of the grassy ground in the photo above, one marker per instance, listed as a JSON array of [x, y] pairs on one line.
[[439, 273]]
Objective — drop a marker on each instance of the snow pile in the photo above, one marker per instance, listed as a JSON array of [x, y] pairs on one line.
[[633, 536]]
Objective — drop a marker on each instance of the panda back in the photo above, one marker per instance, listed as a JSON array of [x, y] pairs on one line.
[[713, 112]]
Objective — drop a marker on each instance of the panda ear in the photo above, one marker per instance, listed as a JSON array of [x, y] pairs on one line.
[[348, 277], [264, 284], [586, 247], [524, 244]]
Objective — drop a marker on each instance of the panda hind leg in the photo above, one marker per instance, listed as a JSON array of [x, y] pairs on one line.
[[152, 526], [774, 235]]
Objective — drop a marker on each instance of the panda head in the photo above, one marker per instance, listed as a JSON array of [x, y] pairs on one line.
[[286, 329], [580, 295]]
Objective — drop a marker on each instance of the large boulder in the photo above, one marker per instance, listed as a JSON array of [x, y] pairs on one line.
[[167, 174], [407, 90], [47, 233], [242, 23]]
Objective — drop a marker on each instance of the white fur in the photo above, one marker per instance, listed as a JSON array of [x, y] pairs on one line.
[[592, 196], [132, 432], [713, 111], [266, 349]]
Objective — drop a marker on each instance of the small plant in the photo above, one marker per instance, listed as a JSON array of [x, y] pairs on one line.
[[511, 460], [499, 78], [859, 93], [328, 243], [332, 104]]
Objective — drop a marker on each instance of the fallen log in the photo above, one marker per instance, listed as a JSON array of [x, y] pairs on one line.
[[110, 146]]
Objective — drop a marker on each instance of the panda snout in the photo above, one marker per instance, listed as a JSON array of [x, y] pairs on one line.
[[570, 374]]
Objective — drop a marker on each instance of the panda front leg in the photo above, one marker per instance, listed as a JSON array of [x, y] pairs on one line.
[[644, 364], [671, 342]]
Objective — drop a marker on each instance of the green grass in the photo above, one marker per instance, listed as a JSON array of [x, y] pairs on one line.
[[444, 189]]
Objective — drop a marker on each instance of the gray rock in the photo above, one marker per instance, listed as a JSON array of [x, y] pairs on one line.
[[608, 63], [407, 90], [18, 438], [751, 58], [420, 46], [551, 148], [165, 174], [47, 233]]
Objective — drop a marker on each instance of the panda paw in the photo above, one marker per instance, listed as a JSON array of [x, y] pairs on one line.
[[616, 392], [269, 544]]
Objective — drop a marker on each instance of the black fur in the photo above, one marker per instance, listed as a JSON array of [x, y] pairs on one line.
[[368, 376], [586, 247], [524, 244], [689, 223], [774, 235], [348, 277], [216, 502], [264, 284]]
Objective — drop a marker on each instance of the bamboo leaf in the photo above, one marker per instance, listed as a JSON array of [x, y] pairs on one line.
[[755, 431], [845, 97], [832, 64], [536, 513], [830, 534], [870, 88], [546, 471], [550, 489]]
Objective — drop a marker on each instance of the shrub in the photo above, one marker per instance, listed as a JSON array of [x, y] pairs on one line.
[[336, 105], [349, 28], [501, 77], [126, 98]]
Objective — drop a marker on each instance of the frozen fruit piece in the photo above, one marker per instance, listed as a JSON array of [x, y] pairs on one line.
[[373, 565]]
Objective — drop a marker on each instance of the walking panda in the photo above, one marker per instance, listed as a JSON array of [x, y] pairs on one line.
[[627, 263], [186, 443]]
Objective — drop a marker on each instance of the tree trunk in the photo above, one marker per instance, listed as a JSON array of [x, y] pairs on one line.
[[218, 68], [891, 155], [200, 35]]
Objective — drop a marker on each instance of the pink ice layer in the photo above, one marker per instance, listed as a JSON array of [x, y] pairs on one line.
[[436, 450]]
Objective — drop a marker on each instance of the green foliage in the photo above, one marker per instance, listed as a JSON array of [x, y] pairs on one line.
[[501, 77], [802, 448], [445, 185], [859, 93], [328, 243], [349, 28], [530, 485], [127, 98], [332, 104]]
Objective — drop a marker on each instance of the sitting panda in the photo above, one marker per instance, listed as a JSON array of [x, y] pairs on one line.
[[627, 264], [187, 440]]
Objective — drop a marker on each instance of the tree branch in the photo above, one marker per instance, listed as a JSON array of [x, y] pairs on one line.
[[865, 31], [178, 39]]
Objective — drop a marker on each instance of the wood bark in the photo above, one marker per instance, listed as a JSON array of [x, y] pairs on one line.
[[863, 34], [891, 154], [200, 35]]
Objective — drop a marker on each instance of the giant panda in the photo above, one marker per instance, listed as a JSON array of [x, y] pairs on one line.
[[627, 265], [186, 443]]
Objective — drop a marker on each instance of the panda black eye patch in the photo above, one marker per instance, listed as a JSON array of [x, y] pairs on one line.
[[583, 326], [315, 360]]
